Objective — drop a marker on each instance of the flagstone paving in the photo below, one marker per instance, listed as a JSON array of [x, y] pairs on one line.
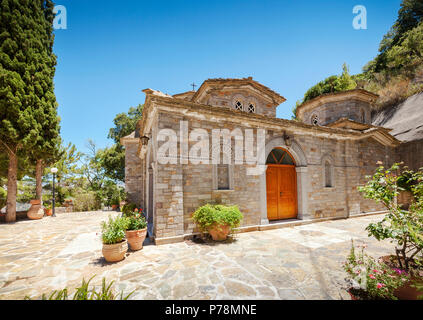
[[302, 262]]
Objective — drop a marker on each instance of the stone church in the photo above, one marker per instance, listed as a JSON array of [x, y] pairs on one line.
[[312, 166]]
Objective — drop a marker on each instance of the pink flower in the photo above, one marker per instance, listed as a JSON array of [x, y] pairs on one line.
[[375, 271], [371, 276], [380, 285]]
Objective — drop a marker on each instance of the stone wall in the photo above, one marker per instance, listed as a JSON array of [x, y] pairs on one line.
[[134, 174], [227, 99], [332, 111], [181, 188], [411, 153]]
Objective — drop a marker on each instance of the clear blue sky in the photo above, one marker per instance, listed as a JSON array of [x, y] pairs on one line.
[[114, 49]]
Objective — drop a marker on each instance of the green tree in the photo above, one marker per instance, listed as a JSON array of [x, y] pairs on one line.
[[410, 15], [92, 167], [409, 54], [26, 71], [94, 171], [69, 173], [113, 158], [331, 84]]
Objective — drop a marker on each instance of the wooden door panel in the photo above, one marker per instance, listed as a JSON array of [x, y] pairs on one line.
[[287, 200], [281, 192], [272, 193]]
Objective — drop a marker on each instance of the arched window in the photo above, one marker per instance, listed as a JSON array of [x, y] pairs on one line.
[[238, 105], [328, 175], [252, 108], [223, 177], [315, 120], [280, 156]]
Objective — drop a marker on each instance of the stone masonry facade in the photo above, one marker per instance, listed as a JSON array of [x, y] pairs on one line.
[[171, 192]]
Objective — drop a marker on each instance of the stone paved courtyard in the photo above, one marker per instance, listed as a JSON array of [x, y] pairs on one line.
[[302, 262]]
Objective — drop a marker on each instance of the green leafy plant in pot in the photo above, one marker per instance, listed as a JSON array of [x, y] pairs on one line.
[[136, 230], [402, 227], [115, 245], [115, 201], [218, 220], [48, 209]]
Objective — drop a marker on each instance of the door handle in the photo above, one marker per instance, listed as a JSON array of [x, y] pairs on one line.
[[280, 194]]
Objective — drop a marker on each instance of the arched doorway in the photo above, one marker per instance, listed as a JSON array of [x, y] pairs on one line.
[[281, 185]]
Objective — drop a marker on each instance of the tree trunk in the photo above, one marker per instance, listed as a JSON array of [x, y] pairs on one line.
[[12, 187], [39, 181]]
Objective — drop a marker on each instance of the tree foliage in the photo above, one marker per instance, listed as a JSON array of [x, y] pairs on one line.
[[113, 158], [331, 84], [27, 66], [28, 118], [410, 15]]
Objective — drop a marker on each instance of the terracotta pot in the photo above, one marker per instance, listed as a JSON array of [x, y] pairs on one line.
[[114, 206], [353, 297], [48, 212], [136, 238], [115, 252], [407, 292], [35, 212], [220, 232]]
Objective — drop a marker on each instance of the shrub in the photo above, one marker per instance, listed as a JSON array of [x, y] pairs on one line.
[[369, 279], [114, 230], [84, 293], [86, 202], [403, 227], [128, 208], [115, 200], [3, 196], [136, 222], [135, 217], [210, 215]]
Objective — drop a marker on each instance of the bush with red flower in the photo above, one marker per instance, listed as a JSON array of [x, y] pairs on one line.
[[135, 217]]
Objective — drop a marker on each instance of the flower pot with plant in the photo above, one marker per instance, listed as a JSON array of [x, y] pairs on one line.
[[404, 227], [217, 220], [115, 245], [136, 229], [48, 210], [115, 201], [370, 280]]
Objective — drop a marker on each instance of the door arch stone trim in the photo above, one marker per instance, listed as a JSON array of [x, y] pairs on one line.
[[302, 177]]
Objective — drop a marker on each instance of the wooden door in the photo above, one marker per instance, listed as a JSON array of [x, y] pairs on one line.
[[281, 185]]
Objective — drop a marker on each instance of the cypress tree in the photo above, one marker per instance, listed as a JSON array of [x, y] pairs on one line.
[[28, 116]]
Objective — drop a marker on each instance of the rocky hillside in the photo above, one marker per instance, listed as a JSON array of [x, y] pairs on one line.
[[406, 119]]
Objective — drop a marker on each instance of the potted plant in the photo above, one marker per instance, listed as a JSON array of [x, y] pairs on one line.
[[217, 220], [115, 201], [115, 245], [400, 226], [48, 210], [136, 230], [128, 209], [370, 280]]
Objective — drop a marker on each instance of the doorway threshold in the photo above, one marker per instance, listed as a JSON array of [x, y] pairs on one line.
[[277, 224]]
